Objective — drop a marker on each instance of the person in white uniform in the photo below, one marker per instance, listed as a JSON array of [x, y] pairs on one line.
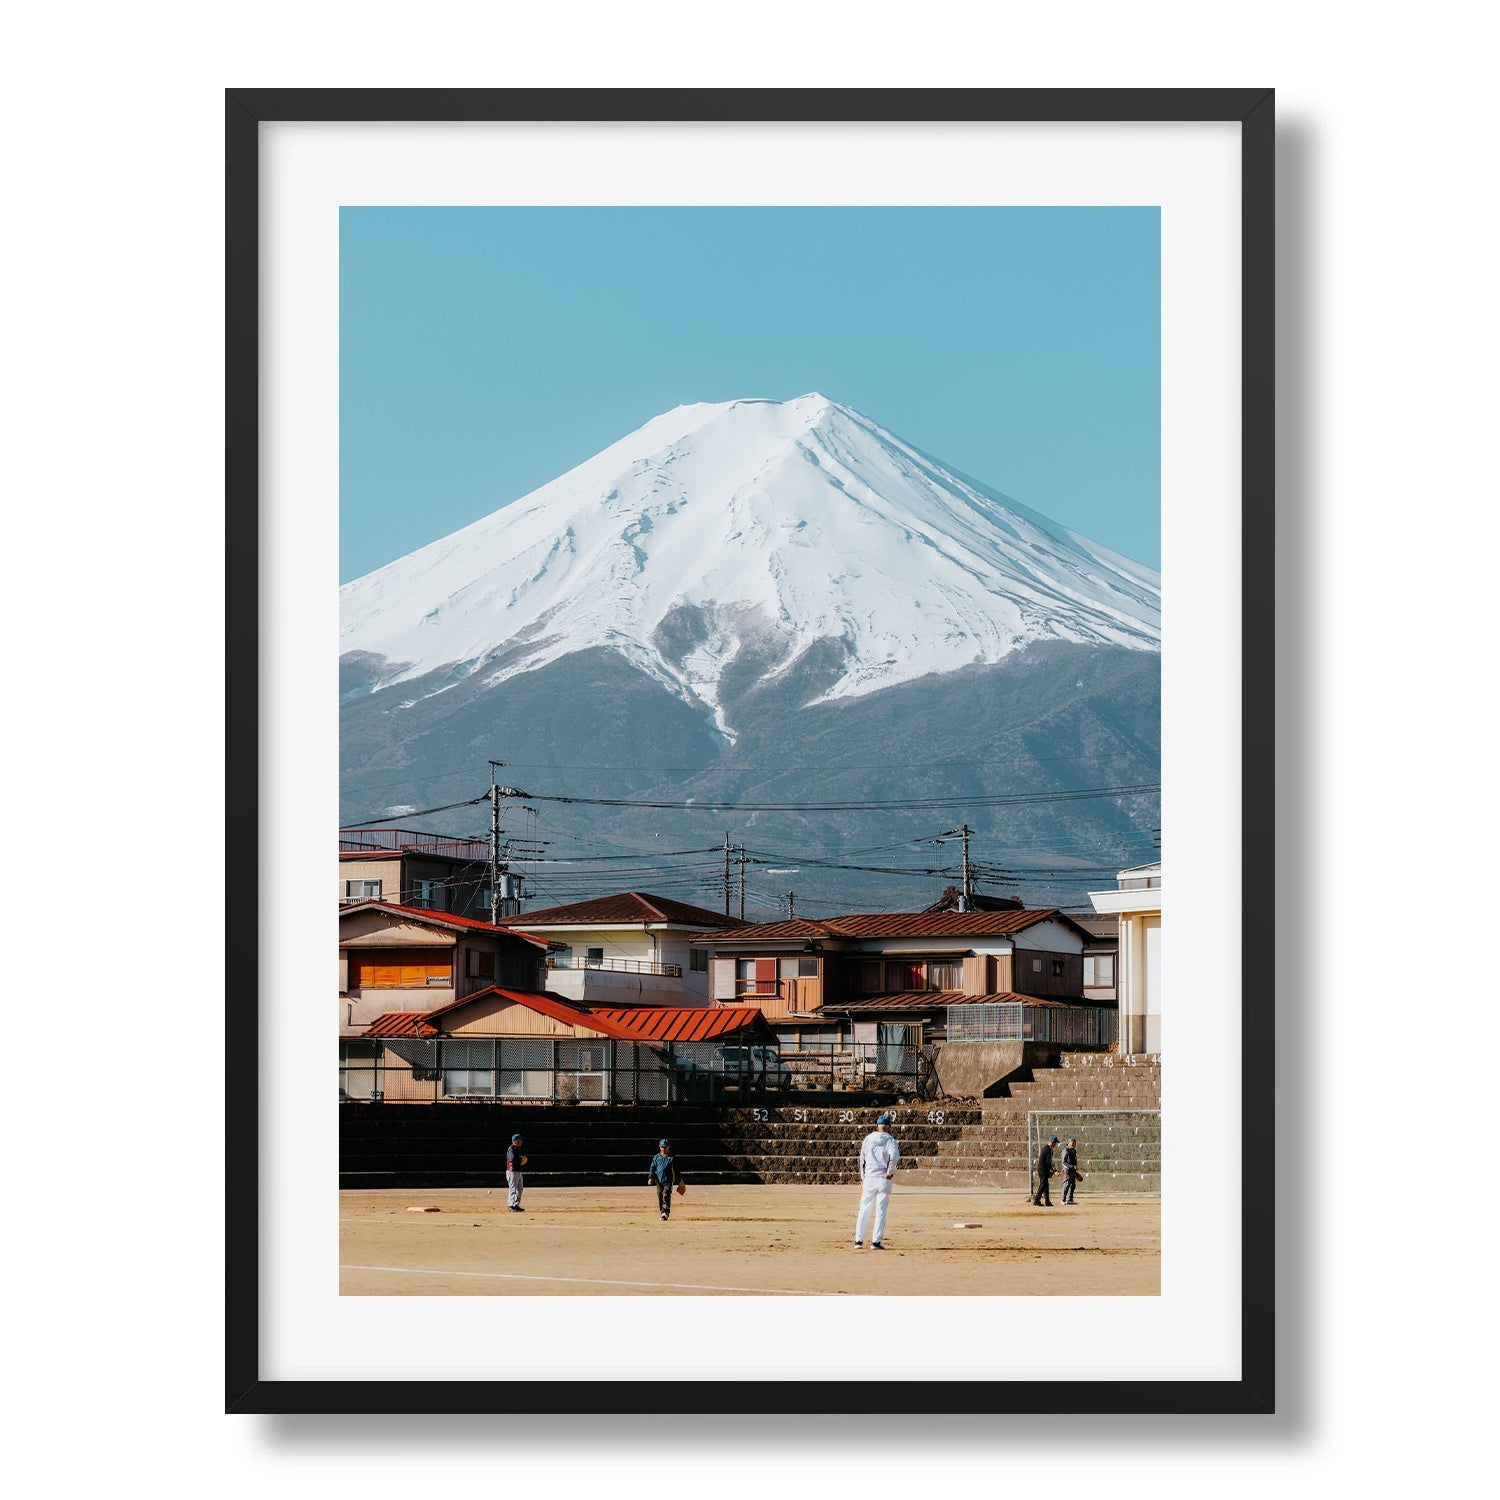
[[878, 1155]]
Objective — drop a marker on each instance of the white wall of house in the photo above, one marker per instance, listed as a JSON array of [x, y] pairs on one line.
[[627, 943], [1140, 962], [1050, 937], [609, 987]]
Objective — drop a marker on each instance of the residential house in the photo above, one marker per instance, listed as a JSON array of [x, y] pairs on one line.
[[1136, 904], [1100, 957], [425, 960], [627, 949], [890, 979], [504, 1043], [429, 871]]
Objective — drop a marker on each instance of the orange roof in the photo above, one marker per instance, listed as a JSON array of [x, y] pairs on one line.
[[683, 1023], [627, 906], [645, 1023], [403, 1023]]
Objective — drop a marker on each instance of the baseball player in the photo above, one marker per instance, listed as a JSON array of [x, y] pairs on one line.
[[514, 1181], [878, 1155]]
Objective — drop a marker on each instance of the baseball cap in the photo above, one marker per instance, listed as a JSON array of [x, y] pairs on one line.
[[1052, 1141], [515, 1137], [883, 1120], [662, 1145]]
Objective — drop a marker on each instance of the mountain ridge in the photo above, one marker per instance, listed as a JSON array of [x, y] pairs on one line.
[[749, 528]]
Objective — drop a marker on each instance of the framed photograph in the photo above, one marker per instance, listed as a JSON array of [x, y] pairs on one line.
[[773, 588]]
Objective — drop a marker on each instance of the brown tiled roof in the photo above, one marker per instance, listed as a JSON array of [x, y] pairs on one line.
[[627, 906], [445, 919], [901, 924], [795, 928], [938, 1000]]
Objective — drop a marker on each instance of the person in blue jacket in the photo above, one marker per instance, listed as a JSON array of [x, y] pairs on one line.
[[663, 1175]]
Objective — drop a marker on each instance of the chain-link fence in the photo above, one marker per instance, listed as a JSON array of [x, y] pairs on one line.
[[1119, 1150], [602, 1071], [1015, 1021]]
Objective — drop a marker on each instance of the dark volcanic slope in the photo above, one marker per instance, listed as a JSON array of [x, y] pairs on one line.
[[1054, 717]]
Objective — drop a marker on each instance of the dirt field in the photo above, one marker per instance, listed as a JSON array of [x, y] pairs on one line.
[[746, 1241]]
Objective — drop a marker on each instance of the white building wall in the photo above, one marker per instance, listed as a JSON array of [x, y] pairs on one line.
[[1051, 937]]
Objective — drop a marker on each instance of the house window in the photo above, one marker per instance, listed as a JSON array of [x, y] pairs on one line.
[[871, 978], [1036, 966], [698, 961], [1057, 968], [595, 958], [945, 975], [810, 1038], [360, 890], [807, 968], [755, 976], [401, 968], [468, 1068], [428, 894], [905, 976], [481, 965], [1098, 971]]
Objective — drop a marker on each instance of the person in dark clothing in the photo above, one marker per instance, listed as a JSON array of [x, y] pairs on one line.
[[515, 1180], [1071, 1174], [1045, 1172], [663, 1175]]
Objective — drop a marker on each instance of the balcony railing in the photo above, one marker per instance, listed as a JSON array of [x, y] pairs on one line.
[[412, 841], [614, 965]]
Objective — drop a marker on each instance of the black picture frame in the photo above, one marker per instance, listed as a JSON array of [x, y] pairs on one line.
[[1253, 110]]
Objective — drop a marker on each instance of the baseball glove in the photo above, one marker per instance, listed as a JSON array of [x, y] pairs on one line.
[[682, 1187]]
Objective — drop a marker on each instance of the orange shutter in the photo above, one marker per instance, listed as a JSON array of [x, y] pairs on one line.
[[405, 968]]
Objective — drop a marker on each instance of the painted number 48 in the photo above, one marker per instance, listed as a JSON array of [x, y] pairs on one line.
[[934, 1117]]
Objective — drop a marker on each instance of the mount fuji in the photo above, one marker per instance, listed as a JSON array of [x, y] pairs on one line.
[[752, 587]]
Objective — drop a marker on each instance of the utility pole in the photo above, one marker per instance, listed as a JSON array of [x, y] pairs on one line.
[[791, 905], [726, 872], [968, 890], [497, 865], [495, 844], [742, 863]]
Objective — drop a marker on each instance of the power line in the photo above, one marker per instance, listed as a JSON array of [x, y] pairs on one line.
[[1018, 799]]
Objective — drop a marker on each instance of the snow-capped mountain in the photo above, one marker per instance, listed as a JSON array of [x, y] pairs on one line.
[[745, 531]]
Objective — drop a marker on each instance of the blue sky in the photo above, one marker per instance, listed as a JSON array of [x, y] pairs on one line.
[[484, 351]]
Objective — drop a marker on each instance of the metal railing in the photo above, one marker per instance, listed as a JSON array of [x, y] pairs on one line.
[[614, 965], [408, 840], [1015, 1021], [558, 1071]]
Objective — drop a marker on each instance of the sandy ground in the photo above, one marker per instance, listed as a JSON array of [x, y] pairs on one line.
[[748, 1241]]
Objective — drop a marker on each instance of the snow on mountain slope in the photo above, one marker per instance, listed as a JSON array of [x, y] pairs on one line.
[[749, 526]]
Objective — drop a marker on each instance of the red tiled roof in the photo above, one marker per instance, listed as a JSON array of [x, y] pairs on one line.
[[683, 1023], [402, 1023], [445, 919], [644, 1023], [900, 924], [627, 906]]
